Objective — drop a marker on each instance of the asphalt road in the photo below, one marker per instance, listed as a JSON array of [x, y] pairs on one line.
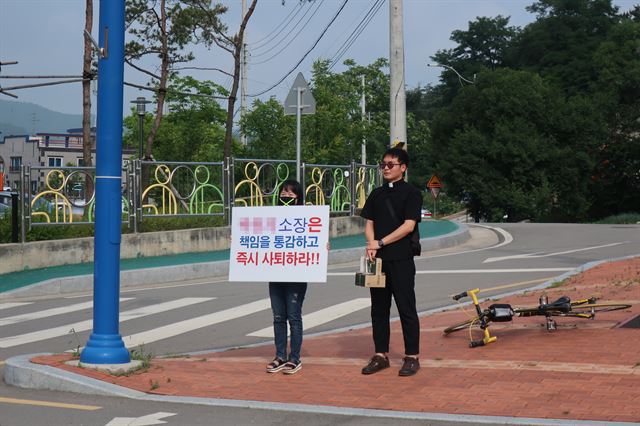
[[217, 314]]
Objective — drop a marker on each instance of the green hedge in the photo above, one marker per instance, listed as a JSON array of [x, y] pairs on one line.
[[61, 232], [621, 218]]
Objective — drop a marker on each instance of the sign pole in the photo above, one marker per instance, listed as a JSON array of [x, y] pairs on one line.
[[298, 130], [299, 101], [105, 345], [434, 186], [435, 208]]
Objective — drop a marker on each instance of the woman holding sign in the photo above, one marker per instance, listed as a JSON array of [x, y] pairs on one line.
[[286, 302]]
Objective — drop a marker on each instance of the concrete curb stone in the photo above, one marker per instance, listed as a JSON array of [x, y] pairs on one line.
[[19, 371]]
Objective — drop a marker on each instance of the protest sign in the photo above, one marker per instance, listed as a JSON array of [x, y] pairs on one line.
[[283, 244]]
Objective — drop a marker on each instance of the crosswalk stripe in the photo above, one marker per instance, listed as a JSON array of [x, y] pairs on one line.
[[21, 339], [322, 316], [8, 305], [50, 312], [191, 324]]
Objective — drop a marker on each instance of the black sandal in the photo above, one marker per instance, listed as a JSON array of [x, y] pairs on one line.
[[276, 365]]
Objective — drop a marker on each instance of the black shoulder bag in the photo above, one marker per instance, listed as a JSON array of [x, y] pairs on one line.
[[416, 248]]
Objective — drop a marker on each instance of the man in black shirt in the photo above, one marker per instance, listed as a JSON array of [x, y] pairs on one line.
[[392, 212]]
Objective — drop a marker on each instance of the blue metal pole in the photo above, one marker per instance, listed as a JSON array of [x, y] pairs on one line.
[[105, 345]]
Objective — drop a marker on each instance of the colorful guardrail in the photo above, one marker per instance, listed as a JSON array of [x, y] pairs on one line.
[[64, 195]]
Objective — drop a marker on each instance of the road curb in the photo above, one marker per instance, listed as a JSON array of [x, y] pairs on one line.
[[19, 371]]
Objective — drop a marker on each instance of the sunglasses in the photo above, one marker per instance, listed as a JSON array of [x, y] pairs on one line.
[[388, 165]]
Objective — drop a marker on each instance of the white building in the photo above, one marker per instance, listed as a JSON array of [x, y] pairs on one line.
[[47, 150]]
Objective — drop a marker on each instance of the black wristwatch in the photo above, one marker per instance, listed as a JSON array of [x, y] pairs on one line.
[[380, 243]]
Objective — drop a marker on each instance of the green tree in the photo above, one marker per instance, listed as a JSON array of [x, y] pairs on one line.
[[270, 133], [193, 129], [560, 43], [616, 179], [484, 45], [496, 145], [164, 29], [333, 135]]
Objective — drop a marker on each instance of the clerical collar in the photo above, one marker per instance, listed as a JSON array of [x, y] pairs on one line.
[[392, 184]]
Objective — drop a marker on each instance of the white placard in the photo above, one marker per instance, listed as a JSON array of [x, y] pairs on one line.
[[279, 244]]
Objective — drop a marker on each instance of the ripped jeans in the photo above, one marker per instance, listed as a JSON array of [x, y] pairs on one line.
[[286, 304]]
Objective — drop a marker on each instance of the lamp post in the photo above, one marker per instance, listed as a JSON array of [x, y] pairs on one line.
[[460, 77], [141, 108]]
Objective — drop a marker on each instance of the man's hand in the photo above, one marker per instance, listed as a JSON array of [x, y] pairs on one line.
[[371, 249], [372, 245]]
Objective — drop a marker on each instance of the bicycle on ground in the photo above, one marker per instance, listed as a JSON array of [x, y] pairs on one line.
[[504, 312]]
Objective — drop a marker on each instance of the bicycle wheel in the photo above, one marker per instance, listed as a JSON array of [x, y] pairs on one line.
[[473, 322], [593, 308]]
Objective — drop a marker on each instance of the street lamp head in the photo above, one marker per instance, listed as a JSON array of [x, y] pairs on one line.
[[460, 77], [141, 104]]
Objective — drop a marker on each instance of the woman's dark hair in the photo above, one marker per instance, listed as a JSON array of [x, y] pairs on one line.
[[295, 187]]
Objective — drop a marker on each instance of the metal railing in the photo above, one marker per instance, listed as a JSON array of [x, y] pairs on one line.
[[65, 195]]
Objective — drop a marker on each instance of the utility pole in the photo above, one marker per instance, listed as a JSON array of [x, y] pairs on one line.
[[398, 106], [363, 112], [243, 75], [105, 345], [34, 120]]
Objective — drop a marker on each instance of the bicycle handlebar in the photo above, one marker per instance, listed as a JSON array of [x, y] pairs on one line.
[[460, 296]]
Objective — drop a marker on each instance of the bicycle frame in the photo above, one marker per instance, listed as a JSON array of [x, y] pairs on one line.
[[563, 307], [484, 324]]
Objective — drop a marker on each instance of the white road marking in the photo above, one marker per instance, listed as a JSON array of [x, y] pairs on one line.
[[8, 305], [322, 316], [508, 239], [191, 324], [50, 312], [469, 271], [148, 420], [493, 271], [538, 255], [21, 339]]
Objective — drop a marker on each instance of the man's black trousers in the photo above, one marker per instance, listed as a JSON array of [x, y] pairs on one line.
[[400, 283]]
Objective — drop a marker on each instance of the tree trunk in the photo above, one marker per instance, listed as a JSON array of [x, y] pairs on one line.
[[87, 75], [237, 49], [162, 92]]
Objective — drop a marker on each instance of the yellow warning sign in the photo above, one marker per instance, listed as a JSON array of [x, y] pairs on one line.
[[434, 182]]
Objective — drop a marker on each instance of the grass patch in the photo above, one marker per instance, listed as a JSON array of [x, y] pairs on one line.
[[559, 283], [139, 354], [622, 218]]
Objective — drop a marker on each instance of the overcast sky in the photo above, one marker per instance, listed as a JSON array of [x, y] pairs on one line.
[[45, 37]]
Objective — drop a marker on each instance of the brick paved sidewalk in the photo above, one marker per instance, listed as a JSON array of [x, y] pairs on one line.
[[586, 370]]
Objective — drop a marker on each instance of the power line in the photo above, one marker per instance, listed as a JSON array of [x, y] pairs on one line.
[[294, 37], [356, 32], [368, 17], [307, 53], [289, 33], [259, 43]]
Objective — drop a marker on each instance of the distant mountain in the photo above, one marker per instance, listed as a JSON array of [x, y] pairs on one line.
[[27, 118], [9, 129]]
